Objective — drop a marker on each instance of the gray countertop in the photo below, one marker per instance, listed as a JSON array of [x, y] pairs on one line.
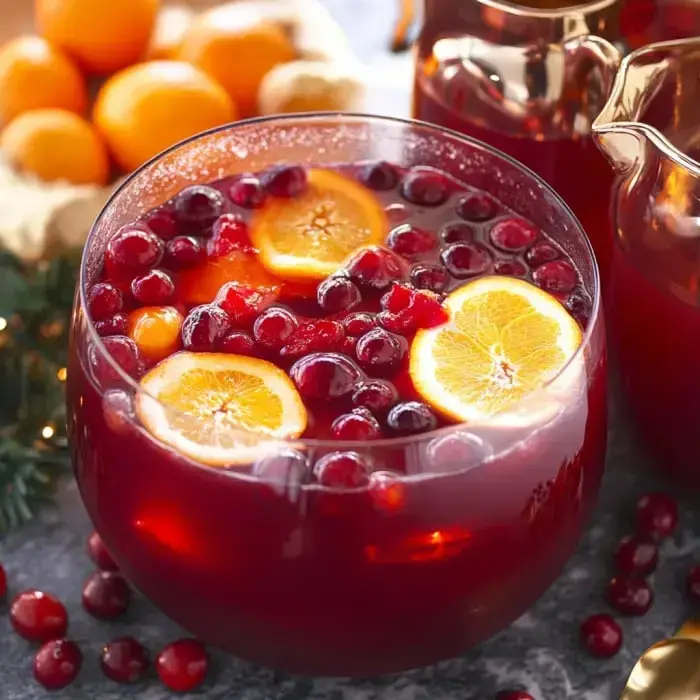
[[539, 652]]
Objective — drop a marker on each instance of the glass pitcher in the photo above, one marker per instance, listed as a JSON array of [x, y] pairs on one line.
[[650, 132], [528, 78]]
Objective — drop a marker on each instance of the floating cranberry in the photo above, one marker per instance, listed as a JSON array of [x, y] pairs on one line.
[[557, 276], [397, 213], [381, 176], [124, 660], [457, 232], [106, 595], [387, 491], [635, 555], [163, 223], [426, 188], [657, 516], [57, 663], [117, 325], [183, 252], [338, 294], [287, 467], [324, 376], [477, 207], [601, 636], [455, 451], [630, 595], [342, 470], [133, 252], [247, 192], [274, 327], [237, 343], [204, 327], [315, 336], [285, 181], [230, 233], [243, 303], [514, 268], [3, 582], [398, 298], [99, 553], [514, 695], [464, 260], [183, 665], [407, 310], [358, 324], [410, 241], [434, 278], [410, 418], [123, 352], [513, 234], [197, 208], [541, 253], [38, 616], [376, 396], [692, 583], [380, 352], [375, 268], [155, 288], [104, 300], [579, 307], [358, 425]]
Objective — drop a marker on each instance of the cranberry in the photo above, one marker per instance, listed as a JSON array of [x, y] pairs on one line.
[[38, 616], [381, 176], [541, 253], [286, 467], [376, 396], [358, 324], [410, 241], [380, 352], [601, 636], [455, 451], [457, 232], [104, 300], [204, 327], [375, 268], [3, 582], [692, 583], [132, 252], [57, 663], [243, 303], [411, 417], [434, 278], [324, 376], [117, 325], [407, 309], [338, 294], [513, 234], [183, 665], [237, 343], [657, 516], [124, 352], [197, 208], [635, 555], [514, 695], [247, 192], [579, 307], [155, 288], [398, 298], [183, 252], [315, 336], [557, 276], [230, 233], [630, 595], [477, 206], [99, 553], [464, 260], [387, 491], [163, 223], [285, 181], [426, 188], [274, 327], [106, 595], [124, 660], [358, 425], [342, 470], [397, 213], [514, 268]]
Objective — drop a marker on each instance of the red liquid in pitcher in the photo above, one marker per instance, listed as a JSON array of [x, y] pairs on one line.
[[362, 554], [644, 22]]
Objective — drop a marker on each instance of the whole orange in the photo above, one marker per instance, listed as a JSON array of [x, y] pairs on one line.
[[147, 108], [102, 35], [54, 144], [237, 49], [34, 75]]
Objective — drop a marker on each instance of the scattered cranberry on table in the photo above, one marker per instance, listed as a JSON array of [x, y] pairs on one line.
[[630, 595], [57, 663], [657, 515], [106, 595], [601, 636], [124, 660], [183, 665], [636, 555], [514, 695], [692, 583], [38, 617]]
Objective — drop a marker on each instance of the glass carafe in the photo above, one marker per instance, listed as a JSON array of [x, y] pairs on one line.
[[527, 78], [650, 131]]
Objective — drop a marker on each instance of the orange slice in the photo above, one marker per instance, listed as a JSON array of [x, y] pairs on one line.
[[506, 339], [310, 236], [220, 410]]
